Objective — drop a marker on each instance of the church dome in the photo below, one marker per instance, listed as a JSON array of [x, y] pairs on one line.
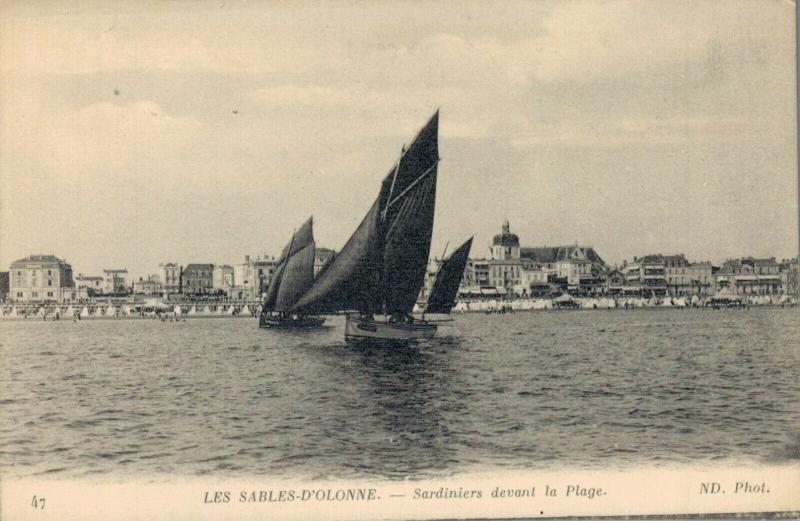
[[506, 238]]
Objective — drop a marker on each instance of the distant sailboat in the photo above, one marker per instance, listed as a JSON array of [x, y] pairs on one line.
[[380, 270], [445, 287], [294, 275]]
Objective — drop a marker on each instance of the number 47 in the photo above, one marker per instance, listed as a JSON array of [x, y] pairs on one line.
[[38, 503]]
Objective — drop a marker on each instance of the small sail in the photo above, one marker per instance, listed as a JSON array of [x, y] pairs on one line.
[[445, 287], [298, 275], [300, 239]]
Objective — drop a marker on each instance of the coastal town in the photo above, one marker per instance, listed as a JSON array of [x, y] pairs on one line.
[[509, 276]]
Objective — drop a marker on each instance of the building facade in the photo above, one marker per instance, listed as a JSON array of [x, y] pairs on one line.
[[151, 285], [750, 276], [41, 278], [4, 285], [702, 278], [576, 269], [677, 274], [115, 281], [223, 278], [197, 279], [646, 276], [789, 271], [170, 277], [93, 284]]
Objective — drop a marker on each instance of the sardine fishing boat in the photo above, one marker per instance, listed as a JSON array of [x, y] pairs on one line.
[[378, 274], [294, 274]]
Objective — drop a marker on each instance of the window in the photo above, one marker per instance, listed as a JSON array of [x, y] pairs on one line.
[[49, 293], [49, 282], [49, 272]]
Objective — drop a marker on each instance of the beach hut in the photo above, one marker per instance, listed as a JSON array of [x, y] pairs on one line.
[[565, 301], [725, 298]]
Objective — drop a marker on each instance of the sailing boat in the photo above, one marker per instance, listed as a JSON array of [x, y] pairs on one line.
[[294, 274], [380, 270], [448, 278]]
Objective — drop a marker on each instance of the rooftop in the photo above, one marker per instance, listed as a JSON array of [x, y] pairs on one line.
[[561, 253], [38, 259], [506, 238]]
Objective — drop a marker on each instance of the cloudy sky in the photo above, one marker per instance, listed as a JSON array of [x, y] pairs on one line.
[[206, 131]]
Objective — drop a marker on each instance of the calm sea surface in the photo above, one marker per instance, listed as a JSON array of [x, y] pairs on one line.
[[525, 390]]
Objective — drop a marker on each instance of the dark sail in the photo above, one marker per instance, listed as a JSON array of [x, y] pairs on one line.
[[300, 239], [382, 266], [445, 287], [298, 275], [349, 281], [408, 221]]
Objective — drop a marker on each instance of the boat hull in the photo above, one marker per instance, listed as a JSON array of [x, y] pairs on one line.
[[360, 328], [298, 322]]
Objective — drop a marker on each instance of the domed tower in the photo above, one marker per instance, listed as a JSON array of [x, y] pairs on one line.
[[505, 245]]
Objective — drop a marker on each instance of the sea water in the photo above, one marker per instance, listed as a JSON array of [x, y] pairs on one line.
[[527, 390]]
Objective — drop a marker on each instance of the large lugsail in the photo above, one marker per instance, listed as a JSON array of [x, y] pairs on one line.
[[408, 221], [445, 287], [301, 240], [349, 280], [381, 268]]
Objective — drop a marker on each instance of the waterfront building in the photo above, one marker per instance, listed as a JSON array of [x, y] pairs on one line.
[[476, 274], [42, 278], [152, 285], [677, 274], [613, 281], [243, 280], [114, 281], [223, 278], [750, 276], [505, 267], [4, 285], [533, 271], [252, 277], [197, 279], [505, 245], [646, 276], [702, 278], [263, 271], [576, 269], [92, 284], [170, 277], [789, 271]]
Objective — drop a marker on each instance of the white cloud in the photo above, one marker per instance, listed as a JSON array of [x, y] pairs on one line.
[[101, 137]]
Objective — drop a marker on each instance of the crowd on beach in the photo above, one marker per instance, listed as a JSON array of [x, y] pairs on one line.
[[177, 312]]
